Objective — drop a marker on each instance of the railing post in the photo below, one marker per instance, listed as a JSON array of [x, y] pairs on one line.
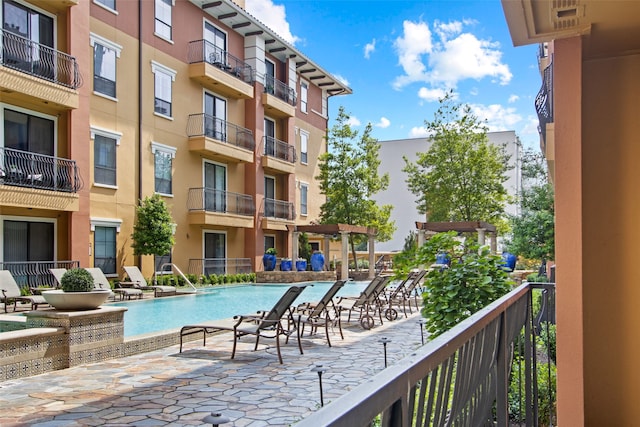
[[502, 374]]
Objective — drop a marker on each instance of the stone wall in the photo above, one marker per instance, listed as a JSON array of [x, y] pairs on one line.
[[295, 276]]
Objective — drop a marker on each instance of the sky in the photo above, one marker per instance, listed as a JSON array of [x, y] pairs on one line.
[[400, 57]]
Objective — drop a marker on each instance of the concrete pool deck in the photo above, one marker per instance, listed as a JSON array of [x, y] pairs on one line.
[[164, 387]]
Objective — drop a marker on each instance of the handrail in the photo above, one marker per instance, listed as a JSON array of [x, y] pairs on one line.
[[208, 266], [22, 54], [213, 127], [28, 169], [459, 378], [279, 89], [205, 51], [279, 149], [279, 209], [180, 273], [213, 200]]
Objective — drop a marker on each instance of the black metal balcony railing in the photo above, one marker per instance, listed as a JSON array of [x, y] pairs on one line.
[[280, 90], [34, 274], [26, 169], [39, 60], [279, 209], [205, 51], [544, 101], [212, 200], [461, 378], [279, 149], [209, 266], [222, 130]]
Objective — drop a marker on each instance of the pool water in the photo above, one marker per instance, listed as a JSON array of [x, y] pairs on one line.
[[159, 314]]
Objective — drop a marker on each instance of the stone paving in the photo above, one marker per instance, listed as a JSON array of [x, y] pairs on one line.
[[167, 388]]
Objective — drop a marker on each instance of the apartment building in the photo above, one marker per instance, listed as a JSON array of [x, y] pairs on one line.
[[106, 102]]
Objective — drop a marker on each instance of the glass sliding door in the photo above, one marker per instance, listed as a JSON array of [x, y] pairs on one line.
[[215, 253], [269, 137], [215, 45], [215, 114], [269, 197], [27, 241], [215, 186]]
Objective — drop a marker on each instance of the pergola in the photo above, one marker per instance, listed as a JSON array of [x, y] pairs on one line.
[[481, 227], [343, 230]]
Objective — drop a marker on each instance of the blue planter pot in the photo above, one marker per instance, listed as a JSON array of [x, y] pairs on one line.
[[509, 261], [286, 265], [301, 265], [317, 261], [269, 262], [443, 258]]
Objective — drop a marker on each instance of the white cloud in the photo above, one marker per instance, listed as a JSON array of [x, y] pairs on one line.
[[432, 95], [513, 98], [353, 121], [418, 132], [342, 80], [449, 56], [273, 16], [531, 126], [369, 48], [383, 123], [498, 117], [411, 46]]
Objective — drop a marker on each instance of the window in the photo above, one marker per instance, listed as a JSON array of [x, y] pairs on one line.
[[104, 156], [163, 18], [304, 88], [304, 141], [163, 159], [104, 243], [104, 65], [163, 80], [25, 240], [304, 191], [26, 132], [269, 242], [107, 4]]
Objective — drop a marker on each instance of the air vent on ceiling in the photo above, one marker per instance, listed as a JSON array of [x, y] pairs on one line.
[[566, 14]]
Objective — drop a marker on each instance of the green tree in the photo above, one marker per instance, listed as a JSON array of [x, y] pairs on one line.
[[304, 247], [533, 231], [153, 230], [349, 178], [461, 176]]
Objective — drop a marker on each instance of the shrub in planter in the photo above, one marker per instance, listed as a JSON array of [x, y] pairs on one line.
[[77, 280]]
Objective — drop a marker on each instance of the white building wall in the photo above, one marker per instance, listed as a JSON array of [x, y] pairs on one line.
[[405, 213]]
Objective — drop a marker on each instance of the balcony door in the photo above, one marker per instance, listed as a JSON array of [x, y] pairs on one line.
[[270, 77], [215, 45], [215, 186], [30, 44], [269, 196], [215, 113], [215, 246], [269, 137]]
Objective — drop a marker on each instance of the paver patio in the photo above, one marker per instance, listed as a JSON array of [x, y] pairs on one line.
[[166, 388]]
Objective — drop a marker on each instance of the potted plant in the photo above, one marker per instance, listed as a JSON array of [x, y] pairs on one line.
[[269, 259], [77, 293], [301, 264], [286, 264]]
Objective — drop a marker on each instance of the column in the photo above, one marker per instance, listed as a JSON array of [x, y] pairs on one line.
[[421, 237], [493, 242], [327, 253], [344, 238], [372, 257], [295, 246], [481, 233]]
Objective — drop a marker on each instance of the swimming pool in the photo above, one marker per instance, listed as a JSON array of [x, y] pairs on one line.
[[159, 314]]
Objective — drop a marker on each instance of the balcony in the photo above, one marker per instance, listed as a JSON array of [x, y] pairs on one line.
[[277, 214], [208, 266], [278, 156], [35, 73], [58, 5], [208, 206], [278, 100], [462, 376], [218, 139], [220, 71], [34, 274], [544, 102], [38, 181]]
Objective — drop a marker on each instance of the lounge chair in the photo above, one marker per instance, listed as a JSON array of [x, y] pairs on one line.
[[137, 281], [264, 324], [369, 301], [100, 281], [321, 313], [11, 293], [57, 274], [402, 295]]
